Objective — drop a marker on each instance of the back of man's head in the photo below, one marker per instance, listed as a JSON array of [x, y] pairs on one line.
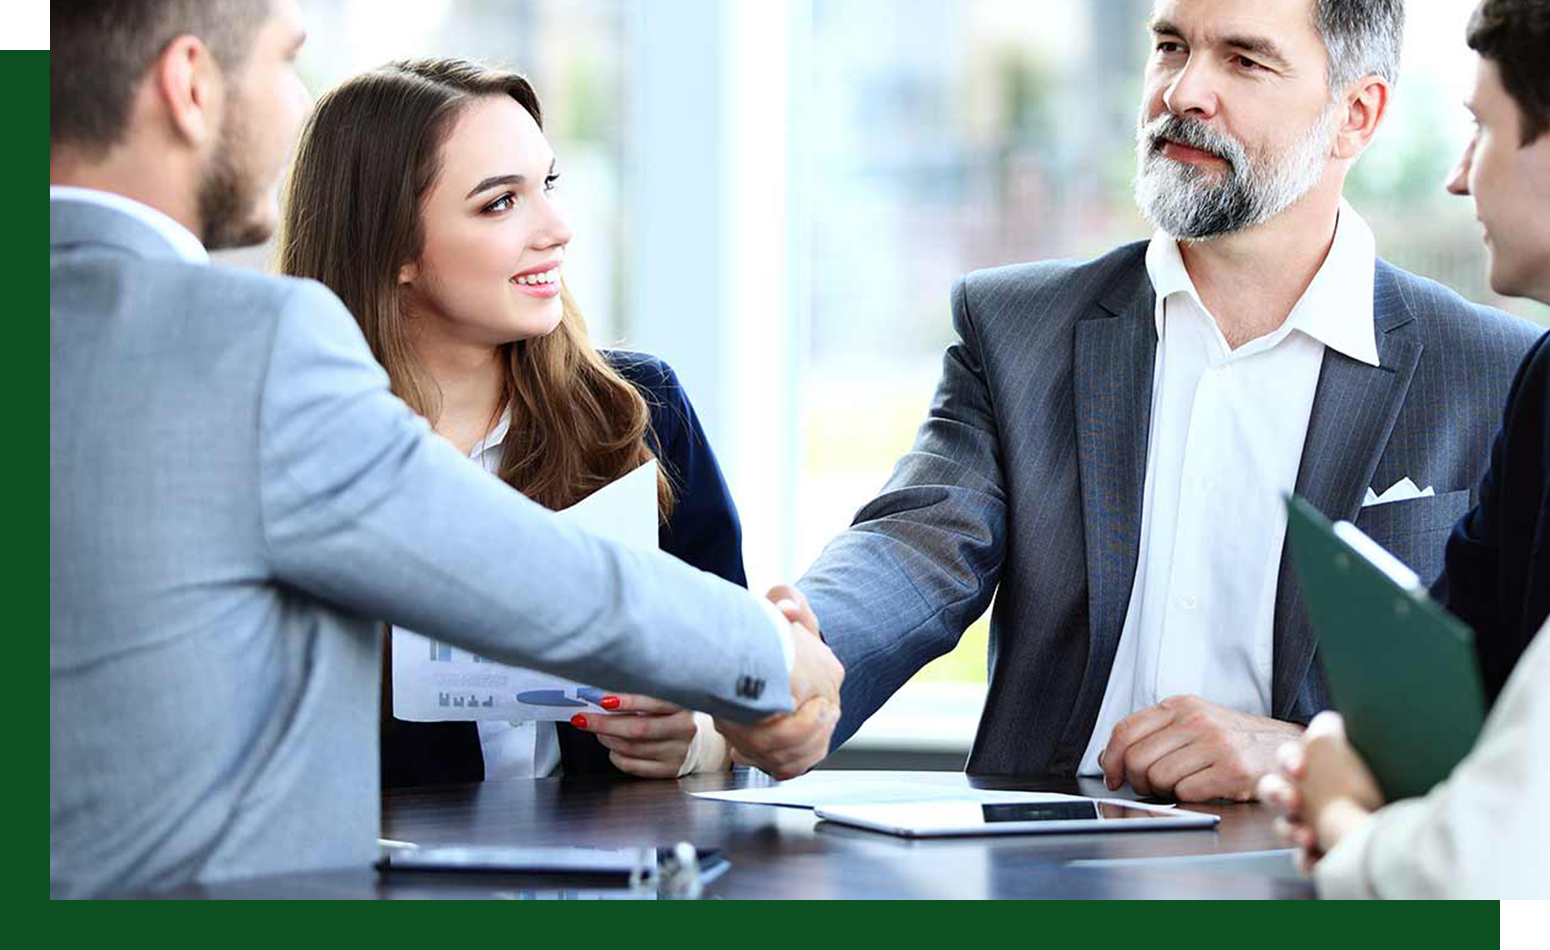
[[102, 49], [1515, 35]]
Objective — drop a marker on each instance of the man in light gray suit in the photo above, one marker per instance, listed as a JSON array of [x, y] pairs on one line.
[[237, 502], [1110, 441]]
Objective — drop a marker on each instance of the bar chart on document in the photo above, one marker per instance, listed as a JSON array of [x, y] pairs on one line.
[[434, 681], [456, 699]]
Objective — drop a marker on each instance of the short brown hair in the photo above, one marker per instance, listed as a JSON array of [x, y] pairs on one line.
[[1515, 35], [100, 49]]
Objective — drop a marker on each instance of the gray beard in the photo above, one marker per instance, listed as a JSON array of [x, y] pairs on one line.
[[1191, 203]]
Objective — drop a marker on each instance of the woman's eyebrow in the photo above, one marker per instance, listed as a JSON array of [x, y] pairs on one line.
[[494, 180]]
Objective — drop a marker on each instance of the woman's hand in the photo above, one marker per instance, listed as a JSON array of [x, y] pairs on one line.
[[1321, 788], [652, 738]]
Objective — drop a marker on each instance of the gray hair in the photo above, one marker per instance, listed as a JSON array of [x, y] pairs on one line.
[[1361, 38]]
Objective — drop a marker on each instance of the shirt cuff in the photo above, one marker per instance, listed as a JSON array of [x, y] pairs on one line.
[[1341, 873], [707, 750], [788, 649]]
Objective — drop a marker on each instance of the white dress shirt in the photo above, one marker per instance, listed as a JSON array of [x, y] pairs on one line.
[[180, 238], [1226, 440], [1483, 833]]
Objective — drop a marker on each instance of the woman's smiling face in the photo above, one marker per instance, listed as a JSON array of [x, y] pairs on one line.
[[494, 239]]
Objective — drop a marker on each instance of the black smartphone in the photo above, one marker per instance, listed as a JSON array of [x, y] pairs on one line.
[[490, 859], [612, 863]]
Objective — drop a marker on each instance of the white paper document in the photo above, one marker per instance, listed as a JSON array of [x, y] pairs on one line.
[[845, 788], [1278, 864], [433, 681]]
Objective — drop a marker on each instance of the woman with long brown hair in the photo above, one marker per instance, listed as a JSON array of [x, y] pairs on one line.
[[423, 196]]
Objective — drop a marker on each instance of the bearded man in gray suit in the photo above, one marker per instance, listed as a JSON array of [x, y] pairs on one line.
[[1110, 441], [237, 502]]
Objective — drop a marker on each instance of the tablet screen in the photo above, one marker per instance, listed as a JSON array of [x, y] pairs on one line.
[[1059, 811], [1038, 813]]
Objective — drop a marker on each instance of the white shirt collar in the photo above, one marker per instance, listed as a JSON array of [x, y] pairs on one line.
[[1336, 309], [180, 238], [494, 437]]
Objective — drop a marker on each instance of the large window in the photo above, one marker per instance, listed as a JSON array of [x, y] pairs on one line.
[[949, 135], [578, 56], [776, 197]]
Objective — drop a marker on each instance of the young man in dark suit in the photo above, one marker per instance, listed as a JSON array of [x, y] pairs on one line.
[[1482, 833]]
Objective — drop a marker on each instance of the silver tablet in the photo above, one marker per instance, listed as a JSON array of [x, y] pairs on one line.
[[940, 819]]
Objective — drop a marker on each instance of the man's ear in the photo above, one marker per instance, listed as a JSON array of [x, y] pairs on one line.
[[1365, 105], [188, 85]]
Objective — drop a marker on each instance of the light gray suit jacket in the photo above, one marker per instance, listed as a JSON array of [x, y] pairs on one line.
[[1026, 479], [237, 503]]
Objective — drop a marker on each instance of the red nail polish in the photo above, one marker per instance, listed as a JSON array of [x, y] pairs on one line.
[[609, 702], [579, 721]]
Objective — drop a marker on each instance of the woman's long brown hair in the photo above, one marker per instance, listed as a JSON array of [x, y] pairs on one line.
[[367, 158]]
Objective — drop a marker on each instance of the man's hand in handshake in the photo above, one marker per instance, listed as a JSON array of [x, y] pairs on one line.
[[788, 745]]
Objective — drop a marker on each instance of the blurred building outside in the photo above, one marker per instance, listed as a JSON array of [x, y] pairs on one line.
[[776, 198]]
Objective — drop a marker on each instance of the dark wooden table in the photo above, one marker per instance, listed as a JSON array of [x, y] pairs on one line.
[[786, 853]]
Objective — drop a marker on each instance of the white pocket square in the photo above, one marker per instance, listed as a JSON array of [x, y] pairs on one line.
[[1402, 490]]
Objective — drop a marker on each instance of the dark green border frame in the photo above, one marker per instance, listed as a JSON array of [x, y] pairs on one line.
[[24, 75], [1144, 926]]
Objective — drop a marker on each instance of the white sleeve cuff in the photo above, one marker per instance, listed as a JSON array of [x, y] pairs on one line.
[[1341, 873], [707, 750], [782, 630]]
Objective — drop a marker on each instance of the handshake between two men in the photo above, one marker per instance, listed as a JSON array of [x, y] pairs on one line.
[[785, 746]]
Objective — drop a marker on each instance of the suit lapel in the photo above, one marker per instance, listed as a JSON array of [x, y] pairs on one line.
[[1354, 410], [1112, 365]]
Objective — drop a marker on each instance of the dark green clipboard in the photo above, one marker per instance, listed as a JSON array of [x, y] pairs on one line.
[[1401, 670]]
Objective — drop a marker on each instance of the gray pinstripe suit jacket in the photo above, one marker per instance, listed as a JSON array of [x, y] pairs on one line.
[[1025, 482]]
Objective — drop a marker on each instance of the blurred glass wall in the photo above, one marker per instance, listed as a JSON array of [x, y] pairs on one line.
[[920, 139]]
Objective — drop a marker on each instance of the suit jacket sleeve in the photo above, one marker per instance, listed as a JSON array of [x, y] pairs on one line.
[[1495, 566], [363, 506], [920, 561]]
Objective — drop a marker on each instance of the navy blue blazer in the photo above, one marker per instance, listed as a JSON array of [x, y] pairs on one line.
[[703, 531], [1496, 571]]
